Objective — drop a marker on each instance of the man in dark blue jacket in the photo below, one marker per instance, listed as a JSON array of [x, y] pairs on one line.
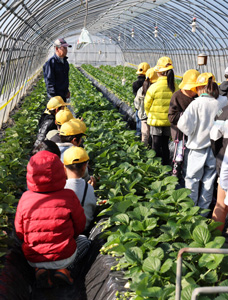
[[56, 71]]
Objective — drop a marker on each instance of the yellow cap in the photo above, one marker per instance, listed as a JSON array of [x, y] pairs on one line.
[[164, 64], [152, 75], [56, 102], [189, 79], [63, 116], [142, 68], [202, 80], [83, 125], [75, 155], [71, 128]]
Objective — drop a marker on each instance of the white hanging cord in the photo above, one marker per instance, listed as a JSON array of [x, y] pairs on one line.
[[86, 13]]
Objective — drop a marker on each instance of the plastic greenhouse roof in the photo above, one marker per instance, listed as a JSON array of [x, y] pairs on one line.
[[39, 23]]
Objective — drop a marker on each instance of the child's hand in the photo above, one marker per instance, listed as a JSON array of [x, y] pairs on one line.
[[92, 181]]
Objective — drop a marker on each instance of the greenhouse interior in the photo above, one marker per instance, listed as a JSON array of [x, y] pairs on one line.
[[124, 75]]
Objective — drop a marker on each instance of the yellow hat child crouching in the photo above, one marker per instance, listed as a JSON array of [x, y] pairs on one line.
[[63, 116], [71, 128], [75, 155], [82, 124]]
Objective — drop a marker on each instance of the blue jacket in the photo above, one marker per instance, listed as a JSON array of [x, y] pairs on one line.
[[56, 77]]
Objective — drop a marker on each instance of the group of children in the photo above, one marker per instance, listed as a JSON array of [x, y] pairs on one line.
[[188, 114], [54, 215], [60, 203]]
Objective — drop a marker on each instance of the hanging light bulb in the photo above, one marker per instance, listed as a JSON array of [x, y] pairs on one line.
[[193, 25], [110, 39], [132, 33], [119, 38], [156, 31]]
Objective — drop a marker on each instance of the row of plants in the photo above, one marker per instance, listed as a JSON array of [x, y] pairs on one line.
[[121, 72], [16, 146], [112, 83], [149, 221]]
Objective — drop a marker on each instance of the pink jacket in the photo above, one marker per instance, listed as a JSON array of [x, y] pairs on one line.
[[48, 217]]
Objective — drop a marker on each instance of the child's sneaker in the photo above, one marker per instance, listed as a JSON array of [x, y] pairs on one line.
[[179, 157], [43, 278], [63, 276]]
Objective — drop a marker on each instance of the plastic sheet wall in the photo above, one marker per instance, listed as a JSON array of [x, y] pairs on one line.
[[96, 54], [216, 63]]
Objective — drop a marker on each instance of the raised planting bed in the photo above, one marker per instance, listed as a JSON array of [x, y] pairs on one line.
[[149, 220], [127, 111]]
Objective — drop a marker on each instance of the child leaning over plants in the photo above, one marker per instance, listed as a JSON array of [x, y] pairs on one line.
[[49, 220], [61, 117], [196, 123], [75, 161], [178, 103], [151, 77], [71, 134], [47, 119]]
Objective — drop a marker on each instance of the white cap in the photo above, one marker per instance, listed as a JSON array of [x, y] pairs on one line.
[[226, 71]]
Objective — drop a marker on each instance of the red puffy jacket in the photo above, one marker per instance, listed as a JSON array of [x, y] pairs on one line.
[[48, 217]]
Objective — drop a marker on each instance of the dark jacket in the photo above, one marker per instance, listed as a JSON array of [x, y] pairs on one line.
[[219, 136], [138, 83], [47, 124], [223, 88], [178, 103], [56, 76]]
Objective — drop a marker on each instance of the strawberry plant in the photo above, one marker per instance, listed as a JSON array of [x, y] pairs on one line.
[[149, 220], [114, 84], [15, 150]]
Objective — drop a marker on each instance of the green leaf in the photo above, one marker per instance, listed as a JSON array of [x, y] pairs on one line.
[[201, 235], [217, 243], [180, 194], [154, 292], [158, 252], [186, 293], [210, 261], [149, 224], [122, 218], [211, 277], [151, 264], [134, 255], [166, 266]]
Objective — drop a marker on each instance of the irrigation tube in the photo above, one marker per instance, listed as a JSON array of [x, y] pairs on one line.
[[209, 290], [179, 266]]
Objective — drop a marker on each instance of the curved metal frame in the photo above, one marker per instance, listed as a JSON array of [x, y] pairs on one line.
[[29, 27]]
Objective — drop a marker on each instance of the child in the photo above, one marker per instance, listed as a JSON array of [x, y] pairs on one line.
[[223, 88], [71, 134], [48, 220], [47, 120], [61, 117], [75, 161], [151, 77], [141, 72], [196, 123], [156, 106], [178, 103], [48, 146]]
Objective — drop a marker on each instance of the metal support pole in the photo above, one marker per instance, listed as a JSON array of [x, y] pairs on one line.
[[208, 290], [179, 263]]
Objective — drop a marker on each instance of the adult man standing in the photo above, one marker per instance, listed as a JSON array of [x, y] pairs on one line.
[[56, 71]]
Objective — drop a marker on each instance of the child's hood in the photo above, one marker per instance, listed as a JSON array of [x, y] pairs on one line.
[[45, 173]]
